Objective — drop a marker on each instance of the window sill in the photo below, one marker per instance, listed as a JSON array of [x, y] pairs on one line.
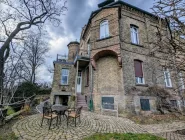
[[142, 85], [137, 45], [104, 38], [169, 87]]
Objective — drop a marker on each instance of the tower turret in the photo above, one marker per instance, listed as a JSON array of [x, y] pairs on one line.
[[73, 48]]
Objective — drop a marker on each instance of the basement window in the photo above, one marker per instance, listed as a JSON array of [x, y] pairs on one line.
[[145, 105], [174, 103], [108, 103]]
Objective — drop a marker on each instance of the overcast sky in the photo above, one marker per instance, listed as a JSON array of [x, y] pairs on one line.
[[72, 22]]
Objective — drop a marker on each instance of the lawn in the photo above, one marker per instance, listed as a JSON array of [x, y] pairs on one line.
[[127, 136]]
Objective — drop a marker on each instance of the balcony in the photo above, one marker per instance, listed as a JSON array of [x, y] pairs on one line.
[[83, 57], [62, 59]]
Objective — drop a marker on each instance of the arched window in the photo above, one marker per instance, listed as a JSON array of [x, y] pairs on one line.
[[134, 34], [104, 29], [88, 47], [138, 72]]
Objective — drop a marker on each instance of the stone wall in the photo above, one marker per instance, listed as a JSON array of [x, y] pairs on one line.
[[152, 64], [57, 87], [107, 81]]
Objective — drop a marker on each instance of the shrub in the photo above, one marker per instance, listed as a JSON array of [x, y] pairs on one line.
[[10, 136], [10, 110], [26, 89], [127, 136]]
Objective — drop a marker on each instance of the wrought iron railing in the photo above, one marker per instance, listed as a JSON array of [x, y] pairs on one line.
[[62, 58]]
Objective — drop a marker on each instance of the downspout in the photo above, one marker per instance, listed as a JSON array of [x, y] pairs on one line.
[[76, 82], [91, 90], [91, 108]]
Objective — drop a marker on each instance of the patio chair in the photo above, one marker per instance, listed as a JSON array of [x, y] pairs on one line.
[[3, 114], [74, 115], [49, 115]]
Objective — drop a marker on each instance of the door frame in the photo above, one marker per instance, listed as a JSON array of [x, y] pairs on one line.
[[80, 83]]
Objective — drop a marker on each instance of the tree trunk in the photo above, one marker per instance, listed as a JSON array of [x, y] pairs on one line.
[[1, 76]]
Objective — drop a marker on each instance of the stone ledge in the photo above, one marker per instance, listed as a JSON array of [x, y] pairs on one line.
[[142, 85], [104, 38], [137, 45]]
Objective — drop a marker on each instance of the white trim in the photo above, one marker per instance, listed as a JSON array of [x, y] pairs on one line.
[[167, 78], [104, 29], [139, 79], [181, 81], [67, 75], [134, 34], [77, 88]]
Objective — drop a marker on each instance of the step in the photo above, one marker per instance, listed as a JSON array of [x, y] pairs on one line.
[[81, 101]]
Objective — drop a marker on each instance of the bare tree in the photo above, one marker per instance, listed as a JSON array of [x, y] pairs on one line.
[[16, 16], [34, 56], [14, 75], [169, 43], [172, 41]]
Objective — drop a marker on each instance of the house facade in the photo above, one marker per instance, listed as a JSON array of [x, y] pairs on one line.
[[113, 63]]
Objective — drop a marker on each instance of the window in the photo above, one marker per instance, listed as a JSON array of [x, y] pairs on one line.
[[174, 103], [145, 105], [88, 47], [104, 29], [65, 75], [181, 81], [134, 34], [108, 102], [138, 72], [87, 76], [167, 78]]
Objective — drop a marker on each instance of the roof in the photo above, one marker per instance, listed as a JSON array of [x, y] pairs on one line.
[[73, 42], [111, 4], [105, 3]]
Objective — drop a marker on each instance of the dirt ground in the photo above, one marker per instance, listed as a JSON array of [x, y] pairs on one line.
[[156, 119]]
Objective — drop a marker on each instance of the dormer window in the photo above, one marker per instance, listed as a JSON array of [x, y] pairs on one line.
[[134, 34], [104, 29]]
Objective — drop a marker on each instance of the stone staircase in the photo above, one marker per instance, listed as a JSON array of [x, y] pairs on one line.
[[81, 101]]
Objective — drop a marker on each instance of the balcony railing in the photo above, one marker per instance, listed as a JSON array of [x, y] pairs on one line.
[[62, 58], [84, 53]]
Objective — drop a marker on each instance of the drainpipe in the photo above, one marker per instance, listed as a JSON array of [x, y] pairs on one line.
[[76, 82]]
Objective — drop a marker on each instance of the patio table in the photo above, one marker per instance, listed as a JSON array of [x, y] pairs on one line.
[[60, 110]]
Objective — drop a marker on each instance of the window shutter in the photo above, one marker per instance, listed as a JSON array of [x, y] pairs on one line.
[[102, 31], [107, 29], [138, 68], [132, 34]]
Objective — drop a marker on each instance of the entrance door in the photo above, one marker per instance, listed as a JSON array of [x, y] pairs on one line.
[[79, 82]]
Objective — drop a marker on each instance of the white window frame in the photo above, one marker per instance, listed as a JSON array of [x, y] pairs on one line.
[[134, 34], [66, 75], [181, 81], [167, 77], [140, 80], [88, 47], [104, 29]]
